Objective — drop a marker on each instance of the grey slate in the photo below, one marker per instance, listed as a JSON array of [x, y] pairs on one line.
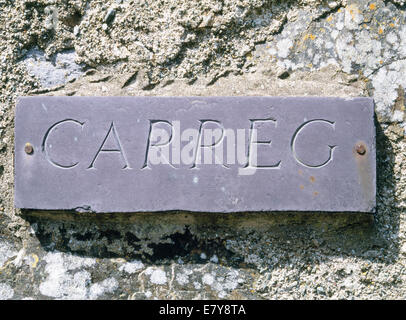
[[63, 174]]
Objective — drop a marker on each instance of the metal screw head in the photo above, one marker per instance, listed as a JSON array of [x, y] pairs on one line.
[[360, 148], [28, 148]]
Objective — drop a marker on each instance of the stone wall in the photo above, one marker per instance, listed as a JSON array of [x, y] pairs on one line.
[[206, 47]]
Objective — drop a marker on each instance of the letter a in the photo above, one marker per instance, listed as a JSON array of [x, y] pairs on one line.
[[118, 149]]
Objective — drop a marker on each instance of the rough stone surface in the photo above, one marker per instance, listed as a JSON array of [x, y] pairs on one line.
[[330, 48], [51, 73]]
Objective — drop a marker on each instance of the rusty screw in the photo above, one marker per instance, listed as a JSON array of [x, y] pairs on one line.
[[28, 148], [360, 148]]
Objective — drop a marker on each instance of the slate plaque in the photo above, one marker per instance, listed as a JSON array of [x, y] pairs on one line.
[[208, 154]]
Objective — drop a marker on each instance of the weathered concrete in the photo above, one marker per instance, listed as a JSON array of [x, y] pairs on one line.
[[335, 48]]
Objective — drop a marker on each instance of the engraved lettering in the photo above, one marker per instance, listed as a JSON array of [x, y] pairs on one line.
[[200, 145], [252, 155], [204, 143], [295, 135], [119, 149], [44, 143], [159, 150]]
